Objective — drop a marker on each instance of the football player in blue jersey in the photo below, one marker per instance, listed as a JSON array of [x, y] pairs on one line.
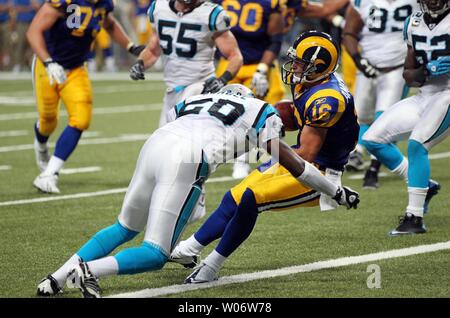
[[324, 114], [61, 35]]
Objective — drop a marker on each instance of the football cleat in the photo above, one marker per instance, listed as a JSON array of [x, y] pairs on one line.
[[48, 286], [409, 224], [355, 162], [240, 170], [370, 179], [47, 183], [202, 274], [433, 189], [81, 277], [186, 261], [42, 156]]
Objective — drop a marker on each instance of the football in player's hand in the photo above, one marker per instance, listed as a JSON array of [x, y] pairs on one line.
[[286, 109]]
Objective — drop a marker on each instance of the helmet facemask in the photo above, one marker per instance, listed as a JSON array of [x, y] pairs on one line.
[[434, 8]]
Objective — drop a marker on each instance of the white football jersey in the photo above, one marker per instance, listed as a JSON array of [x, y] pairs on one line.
[[429, 43], [225, 124], [381, 38], [186, 40]]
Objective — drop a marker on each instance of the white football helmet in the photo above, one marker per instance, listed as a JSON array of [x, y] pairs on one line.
[[236, 90]]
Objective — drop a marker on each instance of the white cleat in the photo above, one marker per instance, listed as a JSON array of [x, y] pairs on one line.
[[42, 156], [47, 183], [188, 260], [240, 170], [202, 274], [48, 287]]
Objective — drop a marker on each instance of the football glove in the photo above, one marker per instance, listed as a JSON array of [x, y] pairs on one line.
[[55, 71], [348, 197], [365, 67], [135, 49], [440, 66], [260, 83], [214, 84], [137, 70]]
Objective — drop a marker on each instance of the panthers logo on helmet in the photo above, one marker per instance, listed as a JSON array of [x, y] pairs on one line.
[[238, 90], [313, 57]]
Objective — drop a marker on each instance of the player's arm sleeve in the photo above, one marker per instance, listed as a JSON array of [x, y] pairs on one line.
[[218, 20], [151, 12], [267, 126], [324, 111]]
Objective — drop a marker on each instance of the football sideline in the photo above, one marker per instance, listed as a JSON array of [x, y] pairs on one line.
[[247, 277]]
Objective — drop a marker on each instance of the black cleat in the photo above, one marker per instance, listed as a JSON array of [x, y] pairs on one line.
[[48, 286], [355, 162], [433, 189], [409, 224], [187, 261], [81, 277], [370, 179]]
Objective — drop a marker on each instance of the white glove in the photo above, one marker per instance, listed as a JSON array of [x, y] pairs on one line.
[[55, 71], [260, 84]]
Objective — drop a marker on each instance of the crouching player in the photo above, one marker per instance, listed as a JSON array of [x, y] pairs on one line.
[[325, 115]]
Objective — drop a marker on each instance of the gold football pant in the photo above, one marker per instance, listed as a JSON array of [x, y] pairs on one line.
[[76, 94], [275, 188]]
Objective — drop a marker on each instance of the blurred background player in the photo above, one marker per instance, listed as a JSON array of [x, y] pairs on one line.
[[258, 28], [102, 44], [141, 22], [379, 82], [5, 33], [424, 117], [324, 114], [24, 11], [61, 37]]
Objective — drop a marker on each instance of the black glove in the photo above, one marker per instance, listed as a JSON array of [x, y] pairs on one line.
[[364, 66], [137, 70], [348, 197], [135, 49], [214, 84]]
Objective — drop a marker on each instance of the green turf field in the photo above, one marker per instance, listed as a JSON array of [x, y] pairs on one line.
[[37, 237]]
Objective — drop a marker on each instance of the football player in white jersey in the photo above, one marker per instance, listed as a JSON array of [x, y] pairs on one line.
[[373, 37], [185, 35], [171, 169], [424, 117]]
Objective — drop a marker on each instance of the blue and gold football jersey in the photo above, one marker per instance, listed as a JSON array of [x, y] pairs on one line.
[[328, 105], [69, 40], [249, 20], [141, 6]]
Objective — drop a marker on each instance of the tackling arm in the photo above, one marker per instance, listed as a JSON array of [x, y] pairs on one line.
[[228, 46]]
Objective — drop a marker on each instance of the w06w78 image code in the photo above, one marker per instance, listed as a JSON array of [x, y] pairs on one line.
[[226, 307]]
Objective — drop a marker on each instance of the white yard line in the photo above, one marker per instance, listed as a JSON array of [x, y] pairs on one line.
[[95, 76], [13, 133], [360, 176], [85, 194], [103, 110], [81, 170], [247, 277], [90, 141], [5, 167]]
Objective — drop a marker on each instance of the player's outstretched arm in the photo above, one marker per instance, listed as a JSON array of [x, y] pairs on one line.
[[146, 58], [309, 175], [113, 27]]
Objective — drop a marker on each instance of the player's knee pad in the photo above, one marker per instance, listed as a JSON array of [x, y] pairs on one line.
[[47, 124], [105, 241], [141, 259]]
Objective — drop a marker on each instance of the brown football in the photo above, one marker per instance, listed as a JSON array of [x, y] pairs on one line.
[[286, 109]]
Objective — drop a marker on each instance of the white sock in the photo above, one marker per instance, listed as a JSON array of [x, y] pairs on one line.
[[215, 260], [105, 266], [188, 247], [312, 178], [54, 165], [40, 146], [416, 201], [61, 273], [402, 169], [359, 149]]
